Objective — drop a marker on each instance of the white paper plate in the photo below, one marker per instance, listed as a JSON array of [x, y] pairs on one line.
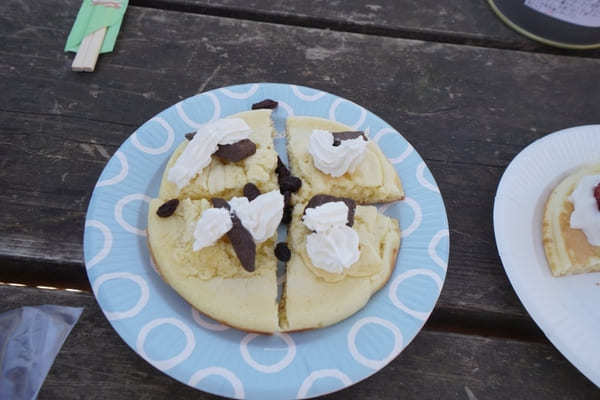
[[566, 308]]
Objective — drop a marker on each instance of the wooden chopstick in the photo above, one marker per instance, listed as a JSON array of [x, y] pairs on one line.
[[87, 55]]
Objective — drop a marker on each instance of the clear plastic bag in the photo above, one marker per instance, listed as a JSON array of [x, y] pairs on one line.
[[30, 339]]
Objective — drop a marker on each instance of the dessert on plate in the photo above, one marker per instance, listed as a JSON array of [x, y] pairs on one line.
[[221, 262], [225, 155], [213, 230], [341, 255], [330, 158], [571, 223]]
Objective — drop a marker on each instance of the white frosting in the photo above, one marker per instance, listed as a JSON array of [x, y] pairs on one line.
[[261, 216], [334, 249], [586, 215], [213, 223], [326, 216], [334, 245], [198, 152], [335, 160]]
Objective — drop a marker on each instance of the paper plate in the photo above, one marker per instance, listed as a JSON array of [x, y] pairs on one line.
[[565, 308], [162, 328]]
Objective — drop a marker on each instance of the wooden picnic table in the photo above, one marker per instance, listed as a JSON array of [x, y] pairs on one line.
[[463, 89]]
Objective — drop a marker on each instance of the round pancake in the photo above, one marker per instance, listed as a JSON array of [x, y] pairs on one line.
[[568, 250]]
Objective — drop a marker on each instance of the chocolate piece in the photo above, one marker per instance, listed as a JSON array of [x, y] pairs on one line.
[[597, 195], [347, 135], [220, 203], [281, 170], [336, 142], [235, 152], [287, 215], [290, 184], [241, 239], [321, 199], [251, 191], [168, 208], [282, 252], [267, 103], [287, 199], [243, 244], [190, 136]]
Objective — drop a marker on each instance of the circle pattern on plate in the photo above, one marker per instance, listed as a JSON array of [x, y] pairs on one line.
[[229, 362]]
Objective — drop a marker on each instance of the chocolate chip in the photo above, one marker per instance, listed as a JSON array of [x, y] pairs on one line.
[[287, 199], [337, 142], [287, 215], [251, 191], [290, 184], [281, 170], [347, 135], [243, 244], [321, 199], [267, 103], [282, 252], [597, 195], [190, 136], [237, 151], [220, 203], [168, 208]]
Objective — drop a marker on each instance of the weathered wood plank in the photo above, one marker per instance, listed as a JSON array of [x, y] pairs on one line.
[[95, 361], [462, 21], [467, 110]]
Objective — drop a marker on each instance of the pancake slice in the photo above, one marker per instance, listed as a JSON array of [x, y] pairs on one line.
[[314, 298], [568, 250], [213, 280], [374, 180], [227, 179]]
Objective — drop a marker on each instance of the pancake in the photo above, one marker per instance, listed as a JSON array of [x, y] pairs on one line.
[[226, 180], [374, 180], [568, 250], [314, 298], [212, 280]]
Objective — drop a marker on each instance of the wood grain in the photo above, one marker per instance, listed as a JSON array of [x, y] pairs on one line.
[[460, 22], [95, 361], [467, 111]]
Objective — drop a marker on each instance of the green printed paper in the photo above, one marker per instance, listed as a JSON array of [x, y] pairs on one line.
[[94, 15]]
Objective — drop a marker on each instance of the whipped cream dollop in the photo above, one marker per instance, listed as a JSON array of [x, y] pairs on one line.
[[334, 245], [335, 160], [261, 216], [326, 216], [586, 215], [334, 249], [198, 152], [213, 223]]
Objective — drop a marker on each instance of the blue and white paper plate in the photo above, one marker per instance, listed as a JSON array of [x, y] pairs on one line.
[[168, 333]]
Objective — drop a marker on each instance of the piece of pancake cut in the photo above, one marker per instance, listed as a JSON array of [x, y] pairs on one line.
[[375, 180], [212, 280], [314, 298], [226, 180], [568, 250]]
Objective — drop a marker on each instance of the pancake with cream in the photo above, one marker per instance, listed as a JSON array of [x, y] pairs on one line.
[[221, 177], [333, 276], [217, 271], [329, 158], [571, 224]]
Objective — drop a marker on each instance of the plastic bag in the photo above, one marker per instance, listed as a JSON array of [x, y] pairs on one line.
[[30, 338]]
